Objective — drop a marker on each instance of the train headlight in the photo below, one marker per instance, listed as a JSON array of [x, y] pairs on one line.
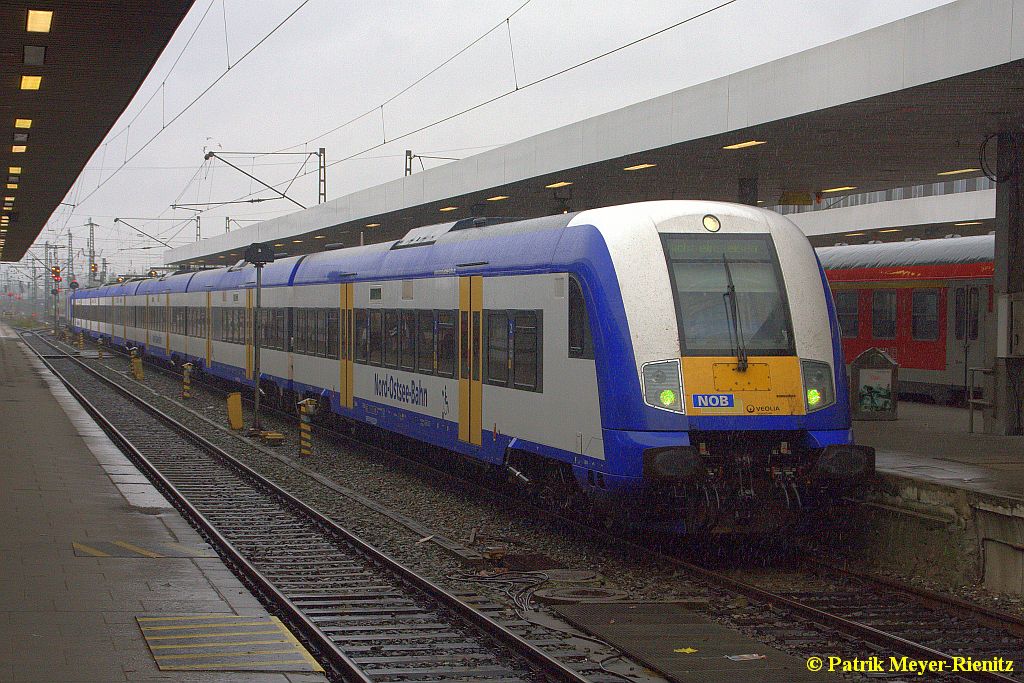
[[819, 387], [663, 386]]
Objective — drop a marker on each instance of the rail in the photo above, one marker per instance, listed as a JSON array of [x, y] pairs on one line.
[[305, 611], [849, 625]]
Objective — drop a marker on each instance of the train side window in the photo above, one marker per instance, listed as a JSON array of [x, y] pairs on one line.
[[446, 338], [281, 329], [333, 331], [391, 339], [343, 334], [267, 327], [464, 345], [321, 332], [497, 348], [924, 320], [376, 341], [360, 333], [310, 332], [960, 312], [407, 338], [299, 320], [477, 323], [973, 313], [848, 310], [883, 314], [425, 342], [581, 342], [313, 336], [527, 368]]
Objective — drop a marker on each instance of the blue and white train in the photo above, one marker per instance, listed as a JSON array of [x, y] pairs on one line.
[[675, 358]]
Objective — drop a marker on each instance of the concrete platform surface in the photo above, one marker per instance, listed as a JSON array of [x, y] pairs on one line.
[[931, 443], [68, 607]]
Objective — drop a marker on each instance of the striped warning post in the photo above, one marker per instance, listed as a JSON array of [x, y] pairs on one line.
[[186, 381], [306, 427]]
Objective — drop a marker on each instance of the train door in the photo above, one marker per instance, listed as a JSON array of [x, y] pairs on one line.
[[471, 294], [970, 305], [345, 369]]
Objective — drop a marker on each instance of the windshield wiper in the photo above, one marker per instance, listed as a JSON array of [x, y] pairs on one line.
[[733, 314]]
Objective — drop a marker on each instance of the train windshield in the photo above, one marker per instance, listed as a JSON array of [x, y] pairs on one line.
[[728, 294]]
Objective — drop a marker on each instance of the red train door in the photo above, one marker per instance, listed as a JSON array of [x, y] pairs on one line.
[[967, 345]]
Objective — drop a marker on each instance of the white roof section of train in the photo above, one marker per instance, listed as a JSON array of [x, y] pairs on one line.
[[950, 41], [953, 250]]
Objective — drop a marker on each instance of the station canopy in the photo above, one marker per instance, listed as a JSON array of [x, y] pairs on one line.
[[68, 69], [906, 103]]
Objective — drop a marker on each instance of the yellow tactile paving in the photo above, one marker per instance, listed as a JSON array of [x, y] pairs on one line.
[[136, 549], [122, 548], [213, 635], [88, 550], [281, 653]]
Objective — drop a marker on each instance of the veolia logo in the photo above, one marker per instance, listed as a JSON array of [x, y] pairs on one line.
[[713, 401]]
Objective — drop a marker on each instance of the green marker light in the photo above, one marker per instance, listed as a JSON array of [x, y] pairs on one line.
[[667, 397], [813, 397]]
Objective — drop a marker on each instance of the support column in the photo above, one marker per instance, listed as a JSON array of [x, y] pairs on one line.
[[1005, 417], [747, 191]]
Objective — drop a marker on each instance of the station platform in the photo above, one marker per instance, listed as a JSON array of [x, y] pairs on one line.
[[931, 443], [947, 504], [101, 577]]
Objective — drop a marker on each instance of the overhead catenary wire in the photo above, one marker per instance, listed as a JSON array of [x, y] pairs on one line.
[[505, 94], [193, 102], [448, 60]]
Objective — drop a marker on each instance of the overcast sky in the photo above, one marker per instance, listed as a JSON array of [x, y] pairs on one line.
[[334, 60]]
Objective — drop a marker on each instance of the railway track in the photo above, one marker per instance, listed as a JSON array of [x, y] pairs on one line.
[[887, 618], [365, 616]]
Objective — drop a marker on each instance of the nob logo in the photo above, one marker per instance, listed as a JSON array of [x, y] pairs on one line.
[[713, 401]]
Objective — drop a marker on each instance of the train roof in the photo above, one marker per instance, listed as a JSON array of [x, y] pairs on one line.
[[953, 250], [168, 283], [497, 244]]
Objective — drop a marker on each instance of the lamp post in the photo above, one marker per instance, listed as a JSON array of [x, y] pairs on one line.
[[258, 254]]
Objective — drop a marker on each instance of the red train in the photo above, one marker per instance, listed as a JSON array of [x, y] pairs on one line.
[[927, 303]]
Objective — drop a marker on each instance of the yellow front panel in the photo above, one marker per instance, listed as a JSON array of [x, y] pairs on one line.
[[464, 308], [757, 377], [772, 385]]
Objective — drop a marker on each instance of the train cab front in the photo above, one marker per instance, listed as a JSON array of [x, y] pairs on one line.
[[748, 424]]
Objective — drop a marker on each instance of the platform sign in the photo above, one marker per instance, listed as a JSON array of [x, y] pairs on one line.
[[874, 390], [873, 386]]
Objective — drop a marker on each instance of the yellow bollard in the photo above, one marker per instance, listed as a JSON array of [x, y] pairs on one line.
[[235, 410], [99, 349], [81, 341], [186, 381], [306, 408], [136, 364]]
